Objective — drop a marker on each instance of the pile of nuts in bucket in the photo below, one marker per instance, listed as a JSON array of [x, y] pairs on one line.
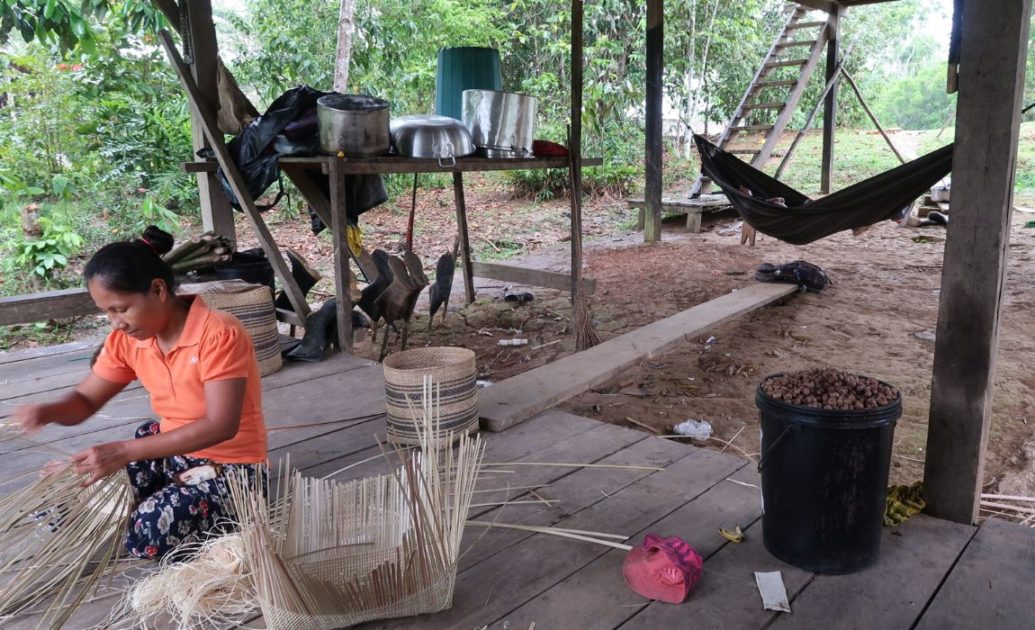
[[828, 388]]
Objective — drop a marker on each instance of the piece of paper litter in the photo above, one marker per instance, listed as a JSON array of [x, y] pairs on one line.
[[774, 594]]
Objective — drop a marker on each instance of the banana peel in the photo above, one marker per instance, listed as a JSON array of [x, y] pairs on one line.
[[736, 536], [903, 502]]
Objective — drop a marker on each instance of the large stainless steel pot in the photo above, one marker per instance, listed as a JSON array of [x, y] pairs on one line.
[[502, 124], [354, 124], [425, 136]]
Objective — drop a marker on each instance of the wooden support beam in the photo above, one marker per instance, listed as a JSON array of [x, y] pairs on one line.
[[237, 184], [830, 104], [38, 307], [341, 258], [530, 277], [465, 239], [216, 214], [808, 121], [654, 139], [873, 117], [819, 5], [992, 63]]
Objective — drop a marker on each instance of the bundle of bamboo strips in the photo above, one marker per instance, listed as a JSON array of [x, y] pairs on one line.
[[202, 251], [58, 539], [1019, 509], [211, 590]]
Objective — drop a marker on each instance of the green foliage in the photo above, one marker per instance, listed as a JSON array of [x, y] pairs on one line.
[[916, 102], [48, 253], [99, 134], [70, 24]]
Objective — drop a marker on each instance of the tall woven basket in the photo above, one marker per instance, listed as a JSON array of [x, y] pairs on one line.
[[454, 374], [253, 305]]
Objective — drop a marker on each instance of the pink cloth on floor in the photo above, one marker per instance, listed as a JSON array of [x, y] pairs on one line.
[[665, 569]]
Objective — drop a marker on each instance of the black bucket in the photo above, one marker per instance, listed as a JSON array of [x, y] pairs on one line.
[[824, 479], [250, 266]]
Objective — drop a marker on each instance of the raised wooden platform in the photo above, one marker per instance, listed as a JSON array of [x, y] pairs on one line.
[[932, 573], [692, 208]]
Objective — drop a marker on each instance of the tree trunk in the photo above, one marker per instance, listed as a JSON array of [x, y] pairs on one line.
[[344, 56], [688, 85]]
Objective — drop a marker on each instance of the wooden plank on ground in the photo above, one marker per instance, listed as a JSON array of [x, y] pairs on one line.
[[923, 548], [490, 589], [34, 307], [991, 585], [529, 277], [599, 592], [521, 397]]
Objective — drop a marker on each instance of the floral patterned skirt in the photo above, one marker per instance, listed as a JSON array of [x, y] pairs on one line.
[[168, 513]]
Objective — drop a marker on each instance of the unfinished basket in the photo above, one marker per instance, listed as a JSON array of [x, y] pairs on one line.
[[253, 305], [325, 554], [455, 375]]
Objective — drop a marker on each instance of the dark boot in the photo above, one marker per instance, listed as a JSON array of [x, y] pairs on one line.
[[318, 333], [303, 274]]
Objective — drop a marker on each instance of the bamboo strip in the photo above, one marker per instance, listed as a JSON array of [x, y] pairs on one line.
[[567, 465], [560, 533]]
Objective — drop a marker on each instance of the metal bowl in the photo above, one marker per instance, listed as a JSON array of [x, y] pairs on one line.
[[430, 136]]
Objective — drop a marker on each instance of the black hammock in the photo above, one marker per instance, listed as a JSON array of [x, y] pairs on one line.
[[805, 220]]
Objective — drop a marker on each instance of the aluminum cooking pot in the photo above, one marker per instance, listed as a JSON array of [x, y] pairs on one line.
[[502, 124], [354, 124], [428, 136]]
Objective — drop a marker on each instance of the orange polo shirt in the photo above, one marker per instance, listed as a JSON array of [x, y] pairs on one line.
[[213, 346]]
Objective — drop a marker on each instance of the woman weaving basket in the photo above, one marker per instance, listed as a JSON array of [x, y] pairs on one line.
[[199, 367]]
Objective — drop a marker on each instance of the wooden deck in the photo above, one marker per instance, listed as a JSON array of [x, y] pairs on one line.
[[932, 573]]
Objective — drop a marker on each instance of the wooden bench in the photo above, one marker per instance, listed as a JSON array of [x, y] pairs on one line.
[[692, 208]]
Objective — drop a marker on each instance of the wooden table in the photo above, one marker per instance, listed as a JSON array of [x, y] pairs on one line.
[[332, 210]]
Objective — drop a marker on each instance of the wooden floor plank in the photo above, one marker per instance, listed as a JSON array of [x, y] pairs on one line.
[[598, 591], [575, 490], [8, 359], [923, 548], [726, 597], [991, 585], [544, 431], [521, 397], [492, 588]]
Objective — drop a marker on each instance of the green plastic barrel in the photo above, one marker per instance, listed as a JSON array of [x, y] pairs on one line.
[[464, 68]]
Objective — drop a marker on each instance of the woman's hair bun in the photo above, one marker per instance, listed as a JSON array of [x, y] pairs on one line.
[[158, 239]]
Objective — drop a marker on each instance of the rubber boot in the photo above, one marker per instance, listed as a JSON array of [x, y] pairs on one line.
[[318, 333], [303, 274]]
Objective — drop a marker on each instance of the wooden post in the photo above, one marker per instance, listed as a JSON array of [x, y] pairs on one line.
[[992, 63], [465, 241], [830, 104], [216, 214], [237, 183], [655, 65], [341, 255]]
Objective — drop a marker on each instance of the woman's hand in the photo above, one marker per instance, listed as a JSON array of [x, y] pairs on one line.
[[100, 461], [32, 418]]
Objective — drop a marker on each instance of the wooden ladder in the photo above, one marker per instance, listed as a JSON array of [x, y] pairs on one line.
[[774, 89]]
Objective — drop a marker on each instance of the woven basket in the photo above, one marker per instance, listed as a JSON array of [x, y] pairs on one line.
[[253, 305], [454, 374]]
